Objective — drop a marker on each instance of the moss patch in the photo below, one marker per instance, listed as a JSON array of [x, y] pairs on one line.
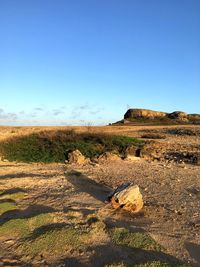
[[14, 196], [56, 241], [198, 194], [122, 236], [21, 227], [6, 206]]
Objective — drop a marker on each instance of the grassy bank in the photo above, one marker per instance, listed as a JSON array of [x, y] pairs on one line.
[[53, 146]]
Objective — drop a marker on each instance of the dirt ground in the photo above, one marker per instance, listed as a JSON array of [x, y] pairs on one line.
[[75, 196]]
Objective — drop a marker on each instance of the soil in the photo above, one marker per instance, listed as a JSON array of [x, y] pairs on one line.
[[170, 189]]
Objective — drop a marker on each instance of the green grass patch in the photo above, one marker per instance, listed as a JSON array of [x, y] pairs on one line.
[[122, 236], [54, 146], [54, 242], [21, 227], [15, 228], [14, 196], [59, 238], [6, 206]]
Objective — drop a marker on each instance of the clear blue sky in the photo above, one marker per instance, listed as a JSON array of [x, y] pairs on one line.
[[79, 61]]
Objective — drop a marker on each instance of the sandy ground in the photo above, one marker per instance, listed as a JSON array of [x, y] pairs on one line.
[[171, 213]]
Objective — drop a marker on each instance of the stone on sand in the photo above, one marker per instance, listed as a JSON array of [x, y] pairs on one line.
[[128, 197], [108, 156]]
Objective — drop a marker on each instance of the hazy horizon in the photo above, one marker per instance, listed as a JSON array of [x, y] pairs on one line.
[[86, 62]]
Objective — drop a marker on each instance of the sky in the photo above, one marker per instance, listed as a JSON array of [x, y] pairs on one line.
[[85, 62]]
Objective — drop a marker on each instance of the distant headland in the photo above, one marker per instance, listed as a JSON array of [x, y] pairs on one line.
[[147, 116]]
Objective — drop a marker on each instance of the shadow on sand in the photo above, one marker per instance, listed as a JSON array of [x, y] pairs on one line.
[[42, 230], [106, 255], [12, 191], [29, 212], [24, 175], [194, 251], [84, 184]]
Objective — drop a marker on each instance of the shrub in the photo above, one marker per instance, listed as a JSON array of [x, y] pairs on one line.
[[53, 146]]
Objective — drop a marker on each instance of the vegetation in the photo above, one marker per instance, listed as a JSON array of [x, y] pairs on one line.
[[23, 226], [44, 235], [58, 238], [53, 239], [198, 194], [6, 206], [122, 236], [137, 240], [184, 131], [14, 196], [53, 146], [153, 136], [7, 200], [154, 121]]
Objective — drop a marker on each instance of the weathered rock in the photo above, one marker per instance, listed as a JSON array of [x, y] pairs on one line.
[[143, 113], [108, 156], [196, 159], [197, 116], [153, 136], [131, 151], [132, 158], [184, 131], [128, 197], [157, 117], [77, 157], [154, 150], [180, 115]]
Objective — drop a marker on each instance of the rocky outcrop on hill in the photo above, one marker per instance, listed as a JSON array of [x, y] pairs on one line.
[[177, 115], [147, 115], [143, 113]]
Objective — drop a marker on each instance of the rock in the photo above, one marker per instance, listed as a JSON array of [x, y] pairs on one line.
[[132, 158], [132, 151], [180, 115], [94, 164], [196, 159], [146, 115], [128, 197], [153, 136], [108, 156], [154, 150], [143, 113], [77, 157]]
